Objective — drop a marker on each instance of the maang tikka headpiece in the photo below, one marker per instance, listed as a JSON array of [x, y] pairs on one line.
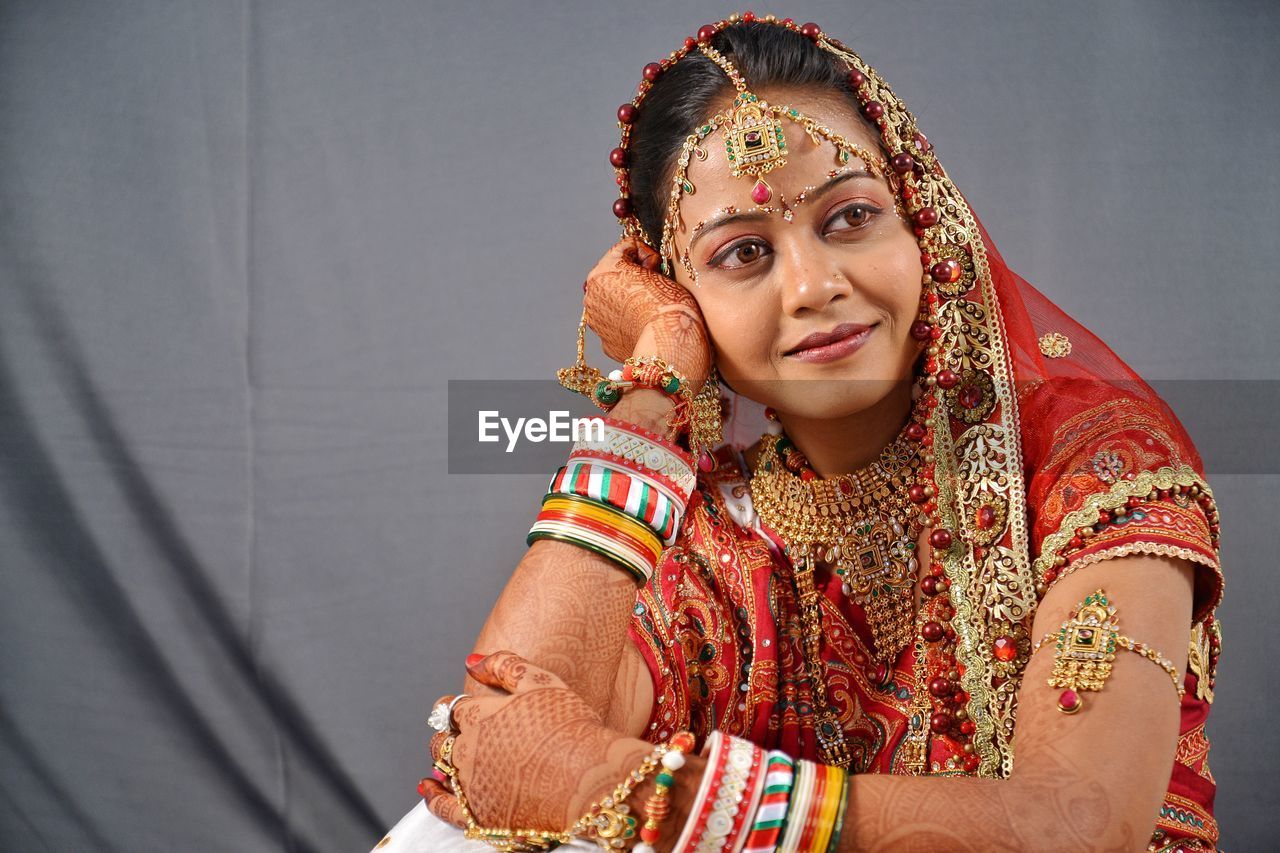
[[969, 487], [753, 138]]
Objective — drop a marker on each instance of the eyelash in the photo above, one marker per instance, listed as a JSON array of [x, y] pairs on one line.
[[729, 250]]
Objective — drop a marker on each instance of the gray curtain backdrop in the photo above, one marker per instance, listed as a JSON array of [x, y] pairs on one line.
[[245, 245]]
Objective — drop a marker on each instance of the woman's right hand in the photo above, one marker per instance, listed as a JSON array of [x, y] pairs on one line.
[[636, 310]]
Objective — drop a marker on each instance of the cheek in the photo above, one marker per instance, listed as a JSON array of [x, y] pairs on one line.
[[740, 327]]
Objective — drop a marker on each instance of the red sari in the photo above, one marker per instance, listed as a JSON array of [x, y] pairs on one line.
[[1071, 439]]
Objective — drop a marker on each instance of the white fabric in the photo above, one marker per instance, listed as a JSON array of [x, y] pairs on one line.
[[420, 831]]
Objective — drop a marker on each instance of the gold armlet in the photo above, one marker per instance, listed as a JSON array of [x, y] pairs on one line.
[[1085, 647]]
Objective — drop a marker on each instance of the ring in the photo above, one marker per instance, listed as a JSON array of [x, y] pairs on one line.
[[441, 718], [445, 762]]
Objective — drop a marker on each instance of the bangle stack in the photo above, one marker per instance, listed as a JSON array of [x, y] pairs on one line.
[[621, 496], [752, 802]]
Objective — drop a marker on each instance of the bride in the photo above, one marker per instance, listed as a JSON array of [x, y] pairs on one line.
[[941, 572]]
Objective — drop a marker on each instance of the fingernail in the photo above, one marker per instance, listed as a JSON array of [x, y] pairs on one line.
[[424, 790], [473, 660]]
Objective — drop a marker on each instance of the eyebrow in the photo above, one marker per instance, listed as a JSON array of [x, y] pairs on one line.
[[756, 215]]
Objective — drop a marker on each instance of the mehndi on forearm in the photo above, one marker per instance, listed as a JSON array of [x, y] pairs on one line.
[[567, 608]]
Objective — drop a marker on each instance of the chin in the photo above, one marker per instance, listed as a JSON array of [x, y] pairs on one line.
[[826, 399]]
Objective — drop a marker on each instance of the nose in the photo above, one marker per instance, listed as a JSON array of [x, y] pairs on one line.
[[810, 280]]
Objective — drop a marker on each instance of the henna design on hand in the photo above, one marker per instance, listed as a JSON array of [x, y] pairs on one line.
[[624, 296]]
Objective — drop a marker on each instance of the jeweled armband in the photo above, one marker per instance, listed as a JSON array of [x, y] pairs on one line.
[[1085, 647]]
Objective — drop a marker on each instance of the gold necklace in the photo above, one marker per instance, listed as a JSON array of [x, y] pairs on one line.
[[863, 524]]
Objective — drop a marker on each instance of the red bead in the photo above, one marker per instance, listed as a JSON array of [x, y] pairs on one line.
[[650, 834], [1075, 542], [902, 163], [940, 721], [705, 32], [968, 727], [971, 762], [748, 16], [627, 113], [948, 378], [622, 208], [929, 585], [856, 78], [940, 538], [873, 109], [915, 431], [808, 474], [920, 330], [786, 22], [940, 687], [917, 493], [690, 43], [810, 30], [882, 674], [946, 272], [618, 157], [652, 71], [1069, 702], [925, 217], [932, 631], [1005, 649], [706, 462]]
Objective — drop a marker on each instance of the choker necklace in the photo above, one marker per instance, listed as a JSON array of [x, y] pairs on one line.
[[863, 524]]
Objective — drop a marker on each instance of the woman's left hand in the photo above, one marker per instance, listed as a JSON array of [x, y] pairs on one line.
[[534, 758]]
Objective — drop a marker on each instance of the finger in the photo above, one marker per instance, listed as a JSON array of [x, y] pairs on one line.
[[512, 673], [649, 259], [442, 803], [437, 744], [466, 711]]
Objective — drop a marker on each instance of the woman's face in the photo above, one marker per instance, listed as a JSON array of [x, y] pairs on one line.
[[765, 284]]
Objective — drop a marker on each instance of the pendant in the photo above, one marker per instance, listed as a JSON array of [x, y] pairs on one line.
[[1085, 649], [877, 565], [753, 138]]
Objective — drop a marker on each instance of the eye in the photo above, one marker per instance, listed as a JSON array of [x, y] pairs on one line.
[[745, 252], [855, 216]]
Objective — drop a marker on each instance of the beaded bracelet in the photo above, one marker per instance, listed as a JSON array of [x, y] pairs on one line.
[[658, 806], [638, 496], [610, 822], [600, 528], [771, 814], [646, 372]]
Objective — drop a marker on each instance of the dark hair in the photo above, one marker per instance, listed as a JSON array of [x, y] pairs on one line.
[[683, 97]]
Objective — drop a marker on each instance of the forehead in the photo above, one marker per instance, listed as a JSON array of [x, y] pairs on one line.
[[808, 165]]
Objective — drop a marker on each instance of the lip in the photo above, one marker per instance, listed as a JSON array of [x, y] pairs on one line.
[[822, 347]]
